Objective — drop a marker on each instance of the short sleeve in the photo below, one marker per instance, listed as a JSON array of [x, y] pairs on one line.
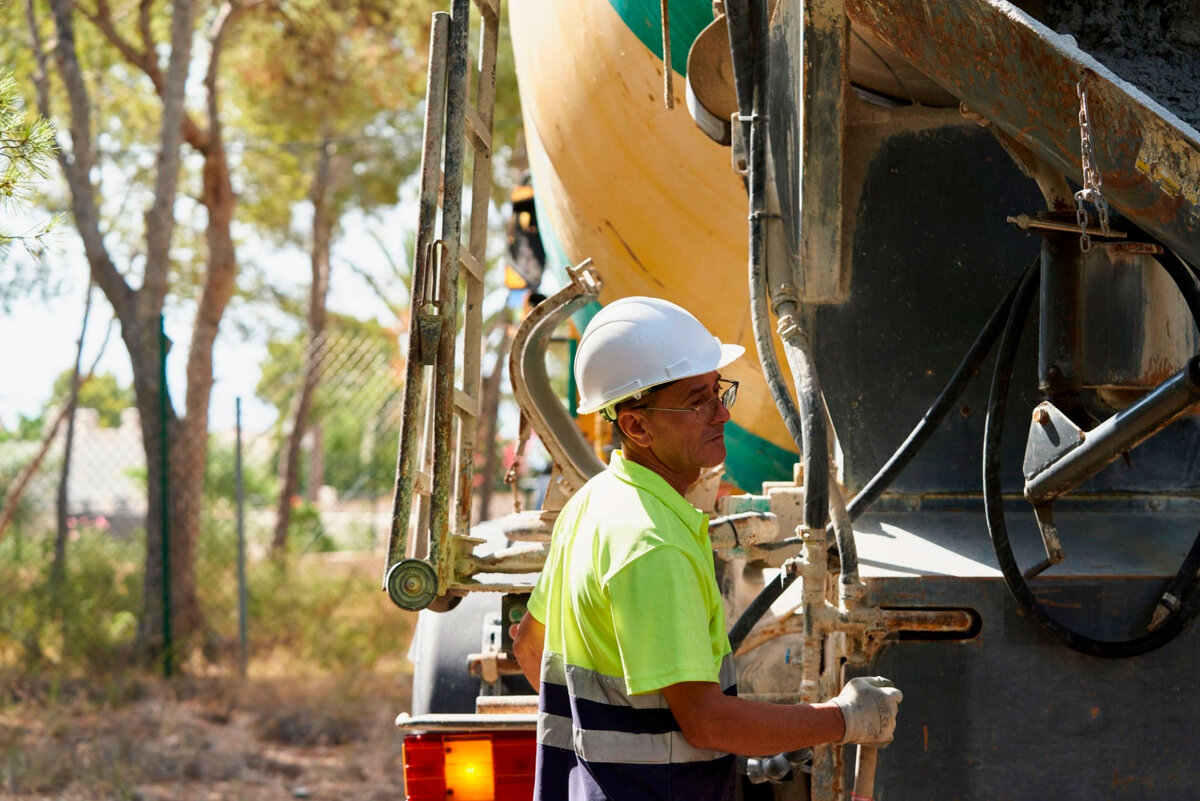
[[536, 605], [661, 618]]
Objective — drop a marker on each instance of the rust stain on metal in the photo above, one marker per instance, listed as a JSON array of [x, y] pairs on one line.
[[1012, 73], [1058, 605], [926, 620]]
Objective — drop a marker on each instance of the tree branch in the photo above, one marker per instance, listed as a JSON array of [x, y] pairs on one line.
[[145, 59], [144, 9], [78, 165], [160, 219], [396, 309], [220, 29]]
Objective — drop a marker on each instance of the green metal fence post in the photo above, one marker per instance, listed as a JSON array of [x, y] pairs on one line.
[[164, 511], [241, 545]]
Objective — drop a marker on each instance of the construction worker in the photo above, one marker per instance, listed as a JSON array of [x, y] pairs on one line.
[[625, 631]]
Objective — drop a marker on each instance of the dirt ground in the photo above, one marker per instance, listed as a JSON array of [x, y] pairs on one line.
[[196, 740]]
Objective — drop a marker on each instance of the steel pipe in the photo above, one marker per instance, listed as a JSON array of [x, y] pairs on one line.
[[1118, 434]]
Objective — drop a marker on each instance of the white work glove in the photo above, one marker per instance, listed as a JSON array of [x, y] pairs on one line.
[[869, 706]]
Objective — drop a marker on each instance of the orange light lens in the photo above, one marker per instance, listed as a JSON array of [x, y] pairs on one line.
[[470, 774]]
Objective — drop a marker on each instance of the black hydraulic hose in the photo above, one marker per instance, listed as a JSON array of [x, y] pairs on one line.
[[757, 608], [967, 369], [840, 521], [747, 23], [742, 29], [814, 444], [740, 17], [994, 505]]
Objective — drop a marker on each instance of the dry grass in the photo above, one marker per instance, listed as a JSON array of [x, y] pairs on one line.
[[314, 718], [204, 739]]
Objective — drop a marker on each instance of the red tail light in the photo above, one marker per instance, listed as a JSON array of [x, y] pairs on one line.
[[496, 766]]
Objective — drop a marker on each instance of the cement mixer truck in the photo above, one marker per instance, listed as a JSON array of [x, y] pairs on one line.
[[961, 237]]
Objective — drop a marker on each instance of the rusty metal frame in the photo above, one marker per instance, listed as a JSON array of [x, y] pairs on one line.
[[1018, 74], [423, 305], [438, 425]]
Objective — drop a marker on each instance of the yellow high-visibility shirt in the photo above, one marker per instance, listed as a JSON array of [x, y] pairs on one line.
[[628, 589]]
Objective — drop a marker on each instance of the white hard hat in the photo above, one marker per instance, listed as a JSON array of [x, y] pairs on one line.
[[636, 343]]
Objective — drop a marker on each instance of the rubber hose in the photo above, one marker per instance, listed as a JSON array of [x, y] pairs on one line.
[[949, 395], [740, 16], [814, 444], [994, 506], [933, 417], [747, 23], [840, 521]]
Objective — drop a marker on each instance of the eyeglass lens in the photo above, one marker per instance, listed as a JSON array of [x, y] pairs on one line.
[[729, 396]]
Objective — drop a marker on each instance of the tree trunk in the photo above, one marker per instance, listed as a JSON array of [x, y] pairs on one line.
[[489, 413], [186, 439], [322, 236], [316, 460], [59, 566]]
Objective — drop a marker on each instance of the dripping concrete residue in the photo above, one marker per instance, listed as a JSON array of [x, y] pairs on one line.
[[1153, 45]]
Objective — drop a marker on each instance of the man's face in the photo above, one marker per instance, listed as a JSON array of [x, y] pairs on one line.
[[687, 440]]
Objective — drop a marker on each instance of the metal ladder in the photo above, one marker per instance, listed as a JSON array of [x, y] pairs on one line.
[[437, 437]]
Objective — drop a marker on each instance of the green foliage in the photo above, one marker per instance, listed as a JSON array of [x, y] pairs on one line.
[[347, 73], [316, 619], [89, 623], [313, 618], [321, 617], [26, 146], [102, 392], [28, 429], [220, 479], [14, 456], [306, 530]]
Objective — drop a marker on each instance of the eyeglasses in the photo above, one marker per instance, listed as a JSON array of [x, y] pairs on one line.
[[726, 398]]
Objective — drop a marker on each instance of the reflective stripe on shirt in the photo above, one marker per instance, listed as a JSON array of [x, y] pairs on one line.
[[591, 714]]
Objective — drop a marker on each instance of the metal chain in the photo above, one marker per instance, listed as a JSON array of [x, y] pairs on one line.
[[1093, 184]]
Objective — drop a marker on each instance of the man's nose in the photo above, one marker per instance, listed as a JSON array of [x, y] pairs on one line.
[[722, 414]]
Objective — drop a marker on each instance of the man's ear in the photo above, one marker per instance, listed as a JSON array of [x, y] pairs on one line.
[[633, 428]]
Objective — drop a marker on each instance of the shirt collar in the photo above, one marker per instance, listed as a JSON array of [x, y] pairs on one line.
[[643, 477]]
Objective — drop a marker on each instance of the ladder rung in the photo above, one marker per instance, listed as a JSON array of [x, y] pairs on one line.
[[488, 9], [480, 138], [466, 405], [466, 259]]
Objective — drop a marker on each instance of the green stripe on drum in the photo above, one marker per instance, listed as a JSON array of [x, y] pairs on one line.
[[750, 460], [688, 18]]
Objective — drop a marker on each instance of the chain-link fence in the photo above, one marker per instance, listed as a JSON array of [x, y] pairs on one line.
[[346, 459], [344, 466]]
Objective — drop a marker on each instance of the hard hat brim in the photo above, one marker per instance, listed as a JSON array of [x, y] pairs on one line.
[[729, 354]]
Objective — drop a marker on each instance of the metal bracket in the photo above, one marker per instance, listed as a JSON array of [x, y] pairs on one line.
[[1052, 436], [1050, 539]]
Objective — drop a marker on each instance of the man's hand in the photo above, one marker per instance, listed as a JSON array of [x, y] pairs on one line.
[[869, 706]]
